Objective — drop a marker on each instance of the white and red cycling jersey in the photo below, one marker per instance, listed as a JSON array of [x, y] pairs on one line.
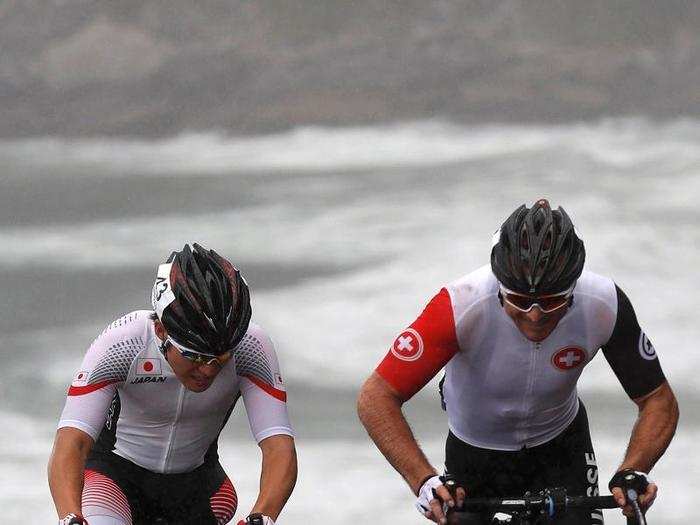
[[126, 394], [501, 390]]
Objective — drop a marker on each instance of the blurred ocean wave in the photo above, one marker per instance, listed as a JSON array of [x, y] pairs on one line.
[[618, 143], [340, 494], [344, 235]]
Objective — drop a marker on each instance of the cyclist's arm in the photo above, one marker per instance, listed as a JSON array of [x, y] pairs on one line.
[[104, 367], [379, 408], [654, 429], [66, 464], [265, 400], [416, 356], [278, 475], [652, 433], [633, 358]]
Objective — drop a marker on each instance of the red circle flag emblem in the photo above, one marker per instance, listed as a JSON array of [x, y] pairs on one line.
[[408, 346], [569, 357], [148, 366]]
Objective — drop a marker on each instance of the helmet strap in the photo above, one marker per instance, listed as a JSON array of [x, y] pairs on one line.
[[163, 348]]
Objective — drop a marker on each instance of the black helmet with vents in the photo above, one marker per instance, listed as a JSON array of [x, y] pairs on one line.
[[202, 300], [538, 251]]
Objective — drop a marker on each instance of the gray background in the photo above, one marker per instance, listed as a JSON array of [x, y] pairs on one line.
[[350, 158], [155, 67]]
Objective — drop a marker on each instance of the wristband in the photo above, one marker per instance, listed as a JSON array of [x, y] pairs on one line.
[[72, 519], [630, 479], [257, 519]]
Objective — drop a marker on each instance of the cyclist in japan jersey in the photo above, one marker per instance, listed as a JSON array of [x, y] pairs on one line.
[[137, 439], [514, 337]]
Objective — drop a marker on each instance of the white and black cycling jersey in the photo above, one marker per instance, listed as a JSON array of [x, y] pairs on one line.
[[501, 390], [127, 397]]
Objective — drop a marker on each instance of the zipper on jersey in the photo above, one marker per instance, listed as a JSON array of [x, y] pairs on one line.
[[173, 427], [530, 388]]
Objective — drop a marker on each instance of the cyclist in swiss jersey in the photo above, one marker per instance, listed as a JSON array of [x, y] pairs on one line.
[[137, 439], [514, 338]]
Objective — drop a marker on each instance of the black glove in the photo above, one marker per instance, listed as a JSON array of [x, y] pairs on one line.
[[629, 479], [257, 518]]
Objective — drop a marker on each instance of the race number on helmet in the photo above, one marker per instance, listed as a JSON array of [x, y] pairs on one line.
[[202, 300]]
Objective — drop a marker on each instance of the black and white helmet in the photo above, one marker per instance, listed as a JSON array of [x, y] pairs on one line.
[[202, 300], [537, 251]]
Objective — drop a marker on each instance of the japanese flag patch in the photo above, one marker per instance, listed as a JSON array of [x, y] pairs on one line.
[[80, 378], [148, 367]]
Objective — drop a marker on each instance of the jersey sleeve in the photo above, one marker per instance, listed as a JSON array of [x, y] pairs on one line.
[[631, 354], [419, 352], [262, 388], [105, 366]]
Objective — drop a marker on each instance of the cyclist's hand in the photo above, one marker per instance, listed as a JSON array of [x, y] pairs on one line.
[[72, 519], [645, 488], [646, 500], [434, 499], [257, 519], [459, 494]]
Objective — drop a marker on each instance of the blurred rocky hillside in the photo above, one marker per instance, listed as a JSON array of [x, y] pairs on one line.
[[157, 67]]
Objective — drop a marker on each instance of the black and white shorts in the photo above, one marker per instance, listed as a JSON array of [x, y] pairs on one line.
[[117, 491], [566, 461]]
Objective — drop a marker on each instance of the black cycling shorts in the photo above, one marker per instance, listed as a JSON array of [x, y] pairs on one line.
[[163, 498], [566, 461]]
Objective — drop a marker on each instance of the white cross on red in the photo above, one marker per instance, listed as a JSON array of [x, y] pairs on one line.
[[405, 343], [569, 359]]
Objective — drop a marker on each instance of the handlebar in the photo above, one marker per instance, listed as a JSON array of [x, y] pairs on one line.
[[545, 505], [545, 500]]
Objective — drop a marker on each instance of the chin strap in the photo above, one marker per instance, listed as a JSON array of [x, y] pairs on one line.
[[164, 349]]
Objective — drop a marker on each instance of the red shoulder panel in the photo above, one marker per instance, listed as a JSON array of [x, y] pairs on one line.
[[419, 352]]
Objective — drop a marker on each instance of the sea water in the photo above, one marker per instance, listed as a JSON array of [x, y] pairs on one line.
[[344, 234]]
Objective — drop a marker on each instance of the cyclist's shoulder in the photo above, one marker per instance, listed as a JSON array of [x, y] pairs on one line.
[[255, 355], [256, 333], [132, 332], [596, 290], [111, 355], [256, 343], [472, 288]]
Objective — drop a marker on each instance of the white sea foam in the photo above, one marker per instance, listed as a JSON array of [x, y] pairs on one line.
[[25, 444], [340, 494], [362, 473], [308, 149], [620, 143], [631, 186]]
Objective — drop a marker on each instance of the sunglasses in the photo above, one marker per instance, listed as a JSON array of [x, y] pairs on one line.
[[546, 303], [198, 357]]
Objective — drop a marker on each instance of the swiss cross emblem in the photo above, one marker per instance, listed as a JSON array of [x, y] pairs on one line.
[[408, 346], [569, 357]]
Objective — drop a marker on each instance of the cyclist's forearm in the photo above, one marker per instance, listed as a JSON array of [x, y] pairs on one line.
[[380, 413], [278, 475], [65, 472], [653, 431]]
